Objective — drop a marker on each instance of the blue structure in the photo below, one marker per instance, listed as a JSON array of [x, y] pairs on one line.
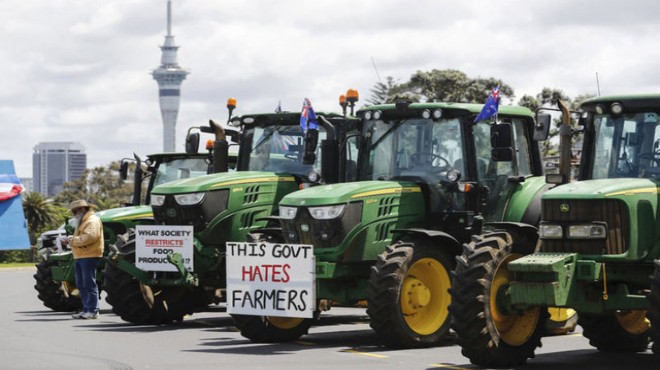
[[13, 226]]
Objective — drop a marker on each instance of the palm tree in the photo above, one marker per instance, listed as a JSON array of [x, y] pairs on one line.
[[39, 212]]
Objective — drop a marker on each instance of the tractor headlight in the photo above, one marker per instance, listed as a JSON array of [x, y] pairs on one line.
[[157, 200], [189, 199], [288, 213], [551, 231], [588, 231], [327, 212]]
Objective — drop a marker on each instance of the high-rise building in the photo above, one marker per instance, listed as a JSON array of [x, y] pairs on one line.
[[54, 163], [169, 76]]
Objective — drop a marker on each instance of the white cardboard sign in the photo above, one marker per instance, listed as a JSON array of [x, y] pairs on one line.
[[154, 242], [269, 279]]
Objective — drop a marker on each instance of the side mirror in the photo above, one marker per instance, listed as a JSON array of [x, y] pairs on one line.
[[311, 143], [542, 127], [123, 170], [192, 143], [501, 139], [501, 135]]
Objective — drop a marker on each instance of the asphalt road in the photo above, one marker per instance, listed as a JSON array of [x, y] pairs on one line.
[[34, 337]]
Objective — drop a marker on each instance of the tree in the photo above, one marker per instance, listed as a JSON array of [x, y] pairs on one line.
[[100, 186], [40, 213], [451, 85]]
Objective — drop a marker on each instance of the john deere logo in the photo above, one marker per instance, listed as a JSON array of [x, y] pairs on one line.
[[564, 207]]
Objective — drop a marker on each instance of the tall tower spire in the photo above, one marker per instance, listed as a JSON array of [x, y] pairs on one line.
[[169, 76]]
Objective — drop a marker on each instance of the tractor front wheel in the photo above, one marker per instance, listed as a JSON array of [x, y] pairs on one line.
[[142, 304], [408, 295], [272, 329], [61, 296], [490, 331], [623, 331]]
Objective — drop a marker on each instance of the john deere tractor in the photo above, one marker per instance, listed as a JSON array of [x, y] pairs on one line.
[[597, 243], [429, 178], [276, 157], [55, 277]]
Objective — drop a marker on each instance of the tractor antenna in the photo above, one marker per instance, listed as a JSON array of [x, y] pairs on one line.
[[373, 62], [597, 84]]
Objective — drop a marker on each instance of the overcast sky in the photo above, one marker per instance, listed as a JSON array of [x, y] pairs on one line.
[[79, 70]]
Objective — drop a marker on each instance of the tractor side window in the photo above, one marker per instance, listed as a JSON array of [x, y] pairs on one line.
[[521, 147], [351, 158]]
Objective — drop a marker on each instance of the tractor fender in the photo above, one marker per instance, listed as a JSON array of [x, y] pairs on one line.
[[524, 236], [435, 237]]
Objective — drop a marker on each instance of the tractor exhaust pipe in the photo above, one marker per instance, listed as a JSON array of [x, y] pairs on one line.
[[565, 144]]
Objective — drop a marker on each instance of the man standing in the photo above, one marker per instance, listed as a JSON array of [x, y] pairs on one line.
[[87, 247]]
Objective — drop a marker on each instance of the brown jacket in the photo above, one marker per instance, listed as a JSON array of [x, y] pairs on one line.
[[87, 240]]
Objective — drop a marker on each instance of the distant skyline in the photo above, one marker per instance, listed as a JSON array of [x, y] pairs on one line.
[[79, 70]]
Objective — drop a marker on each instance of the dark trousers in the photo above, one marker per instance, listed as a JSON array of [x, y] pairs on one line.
[[86, 283]]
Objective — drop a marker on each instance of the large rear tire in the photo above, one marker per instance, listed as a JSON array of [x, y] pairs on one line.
[[408, 295], [654, 309], [623, 331], [272, 329], [490, 333], [141, 304], [61, 296]]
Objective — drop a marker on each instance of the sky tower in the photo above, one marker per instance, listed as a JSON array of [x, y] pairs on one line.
[[169, 76]]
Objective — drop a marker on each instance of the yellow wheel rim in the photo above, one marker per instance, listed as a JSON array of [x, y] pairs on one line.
[[560, 314], [514, 329], [424, 296], [70, 289], [284, 322], [634, 322]]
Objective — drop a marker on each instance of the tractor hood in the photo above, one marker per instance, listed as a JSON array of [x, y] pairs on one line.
[[342, 193], [125, 214], [220, 180], [605, 188]]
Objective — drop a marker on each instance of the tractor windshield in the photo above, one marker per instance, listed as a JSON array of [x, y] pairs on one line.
[[280, 149], [180, 168], [626, 145], [413, 147]]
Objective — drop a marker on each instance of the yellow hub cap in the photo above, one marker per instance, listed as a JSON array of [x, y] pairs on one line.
[[515, 329], [634, 322], [560, 314], [284, 322], [424, 296], [70, 289]]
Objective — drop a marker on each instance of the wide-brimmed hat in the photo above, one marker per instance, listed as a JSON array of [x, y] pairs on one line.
[[80, 203]]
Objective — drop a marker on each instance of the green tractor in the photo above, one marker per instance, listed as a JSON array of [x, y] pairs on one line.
[[55, 277], [275, 158], [429, 178], [597, 243]]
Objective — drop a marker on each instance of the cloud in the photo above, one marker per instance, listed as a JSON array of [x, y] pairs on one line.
[[79, 70]]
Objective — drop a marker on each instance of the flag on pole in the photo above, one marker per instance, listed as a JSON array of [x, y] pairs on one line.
[[490, 108], [308, 117]]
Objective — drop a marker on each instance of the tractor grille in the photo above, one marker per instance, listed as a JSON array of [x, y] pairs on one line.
[[198, 215], [611, 211], [304, 229]]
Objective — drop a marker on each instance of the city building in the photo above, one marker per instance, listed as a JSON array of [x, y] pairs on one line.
[[169, 76], [54, 163]]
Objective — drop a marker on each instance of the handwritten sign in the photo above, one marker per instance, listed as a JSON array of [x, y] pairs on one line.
[[269, 279], [154, 242]]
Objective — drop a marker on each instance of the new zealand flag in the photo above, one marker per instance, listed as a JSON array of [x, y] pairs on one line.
[[490, 108], [308, 117]]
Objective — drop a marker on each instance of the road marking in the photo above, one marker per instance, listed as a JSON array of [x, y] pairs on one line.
[[304, 343], [447, 366], [363, 353]]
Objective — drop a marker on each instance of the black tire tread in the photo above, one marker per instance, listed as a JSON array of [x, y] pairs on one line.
[[383, 295], [476, 334], [51, 292]]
